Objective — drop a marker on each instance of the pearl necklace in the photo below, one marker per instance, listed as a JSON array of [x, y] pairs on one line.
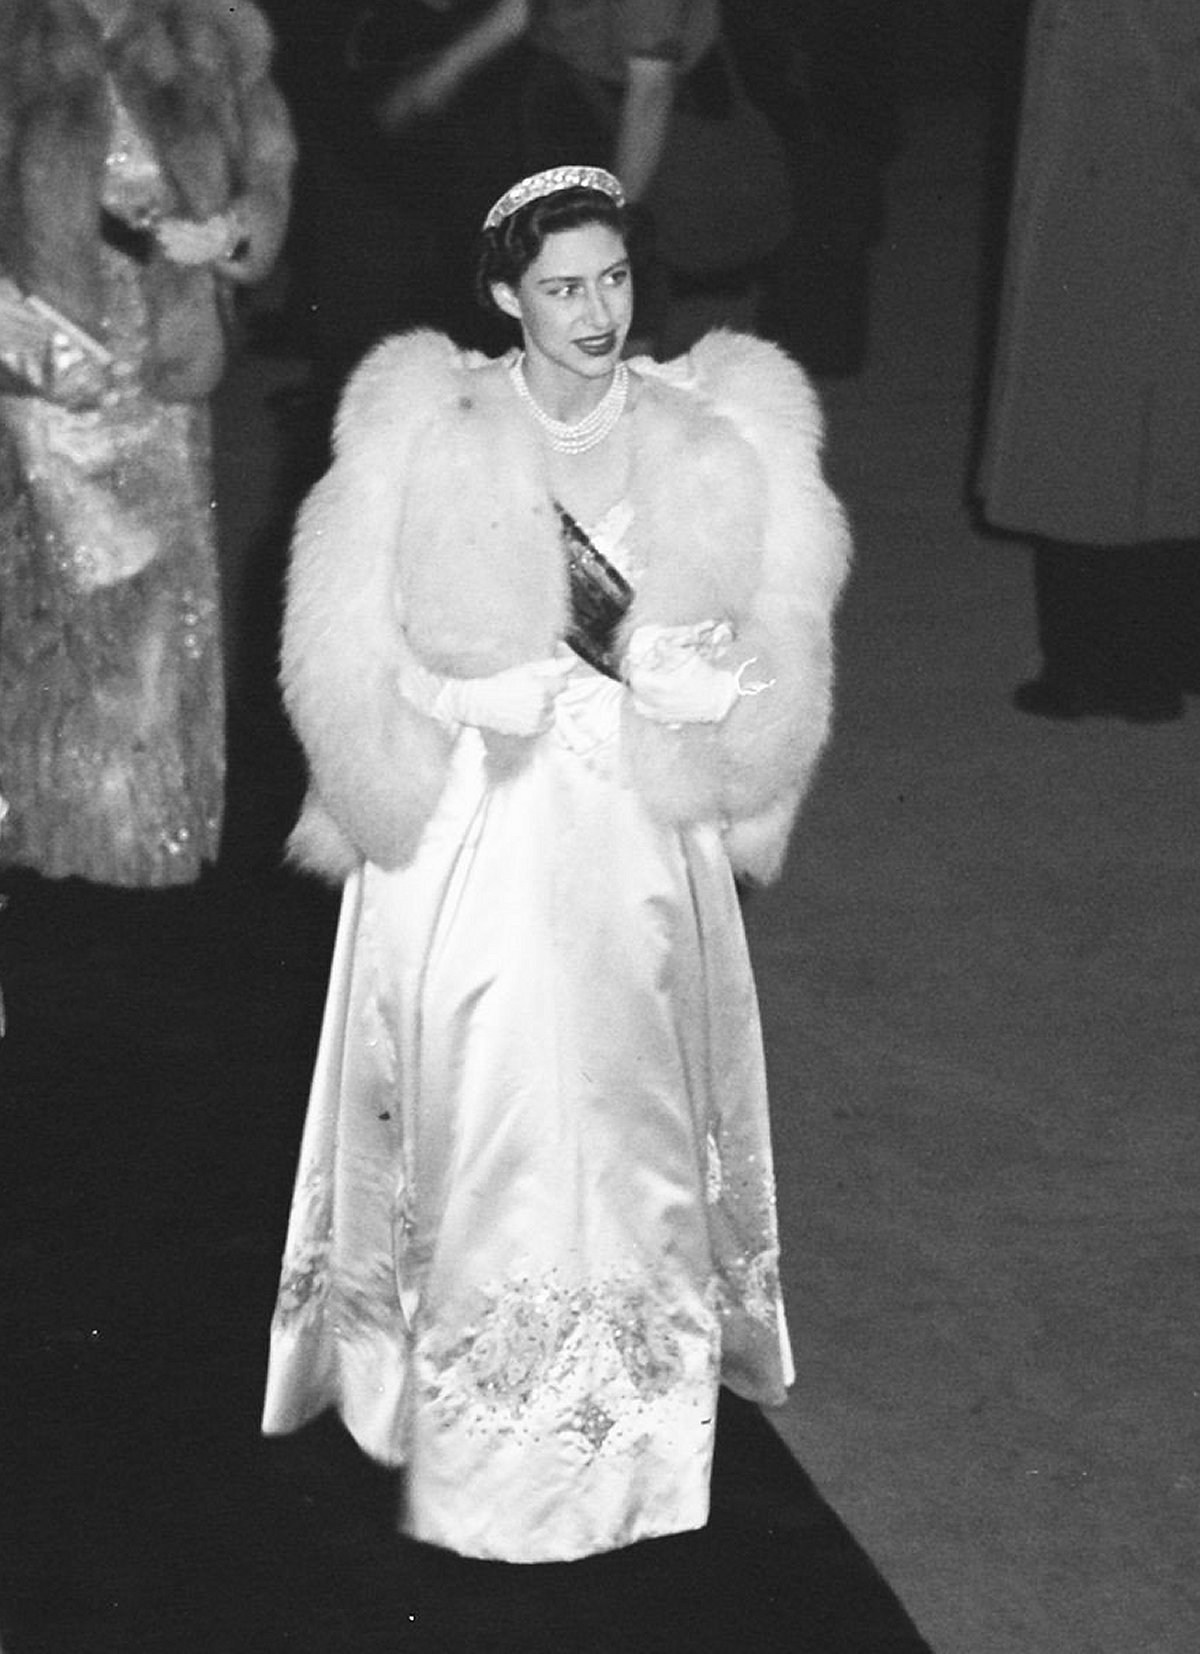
[[592, 428]]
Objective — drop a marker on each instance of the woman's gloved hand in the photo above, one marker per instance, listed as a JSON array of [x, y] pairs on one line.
[[672, 680], [517, 701]]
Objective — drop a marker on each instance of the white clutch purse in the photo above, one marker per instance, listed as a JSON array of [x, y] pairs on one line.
[[46, 352]]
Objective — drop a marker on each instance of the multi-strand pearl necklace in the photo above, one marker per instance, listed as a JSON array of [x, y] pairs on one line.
[[592, 428]]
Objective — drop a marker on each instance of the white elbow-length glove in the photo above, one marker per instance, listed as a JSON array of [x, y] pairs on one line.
[[672, 679], [518, 701]]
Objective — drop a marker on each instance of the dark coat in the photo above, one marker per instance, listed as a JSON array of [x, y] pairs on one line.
[[1093, 426]]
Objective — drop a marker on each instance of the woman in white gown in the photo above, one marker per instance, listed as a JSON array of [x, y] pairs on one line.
[[534, 1224]]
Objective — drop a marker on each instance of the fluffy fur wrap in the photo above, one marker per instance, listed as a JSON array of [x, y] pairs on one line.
[[195, 75], [436, 516]]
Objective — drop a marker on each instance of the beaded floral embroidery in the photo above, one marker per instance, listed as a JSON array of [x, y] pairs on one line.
[[593, 1361]]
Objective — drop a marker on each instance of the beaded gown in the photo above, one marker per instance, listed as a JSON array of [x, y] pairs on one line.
[[111, 686], [533, 1226]]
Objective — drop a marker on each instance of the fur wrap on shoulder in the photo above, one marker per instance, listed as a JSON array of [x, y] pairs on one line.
[[436, 516], [195, 75]]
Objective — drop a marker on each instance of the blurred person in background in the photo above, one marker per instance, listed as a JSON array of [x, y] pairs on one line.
[[384, 230], [146, 160], [1093, 421], [823, 72]]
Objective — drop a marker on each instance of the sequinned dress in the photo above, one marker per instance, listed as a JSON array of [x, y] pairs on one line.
[[534, 1226], [111, 686]]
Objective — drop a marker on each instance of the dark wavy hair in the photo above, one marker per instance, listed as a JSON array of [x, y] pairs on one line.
[[506, 252]]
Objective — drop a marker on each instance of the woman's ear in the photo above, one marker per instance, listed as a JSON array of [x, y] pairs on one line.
[[506, 300]]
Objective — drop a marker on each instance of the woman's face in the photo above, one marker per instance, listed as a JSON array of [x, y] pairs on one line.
[[574, 302]]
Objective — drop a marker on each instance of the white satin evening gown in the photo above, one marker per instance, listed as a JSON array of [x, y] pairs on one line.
[[534, 1223]]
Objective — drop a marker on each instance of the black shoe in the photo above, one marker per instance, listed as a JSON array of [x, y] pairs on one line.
[[1072, 699]]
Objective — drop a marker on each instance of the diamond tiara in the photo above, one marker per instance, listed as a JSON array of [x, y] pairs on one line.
[[549, 183]]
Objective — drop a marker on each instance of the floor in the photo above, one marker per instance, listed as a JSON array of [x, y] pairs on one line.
[[982, 989], [979, 981]]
